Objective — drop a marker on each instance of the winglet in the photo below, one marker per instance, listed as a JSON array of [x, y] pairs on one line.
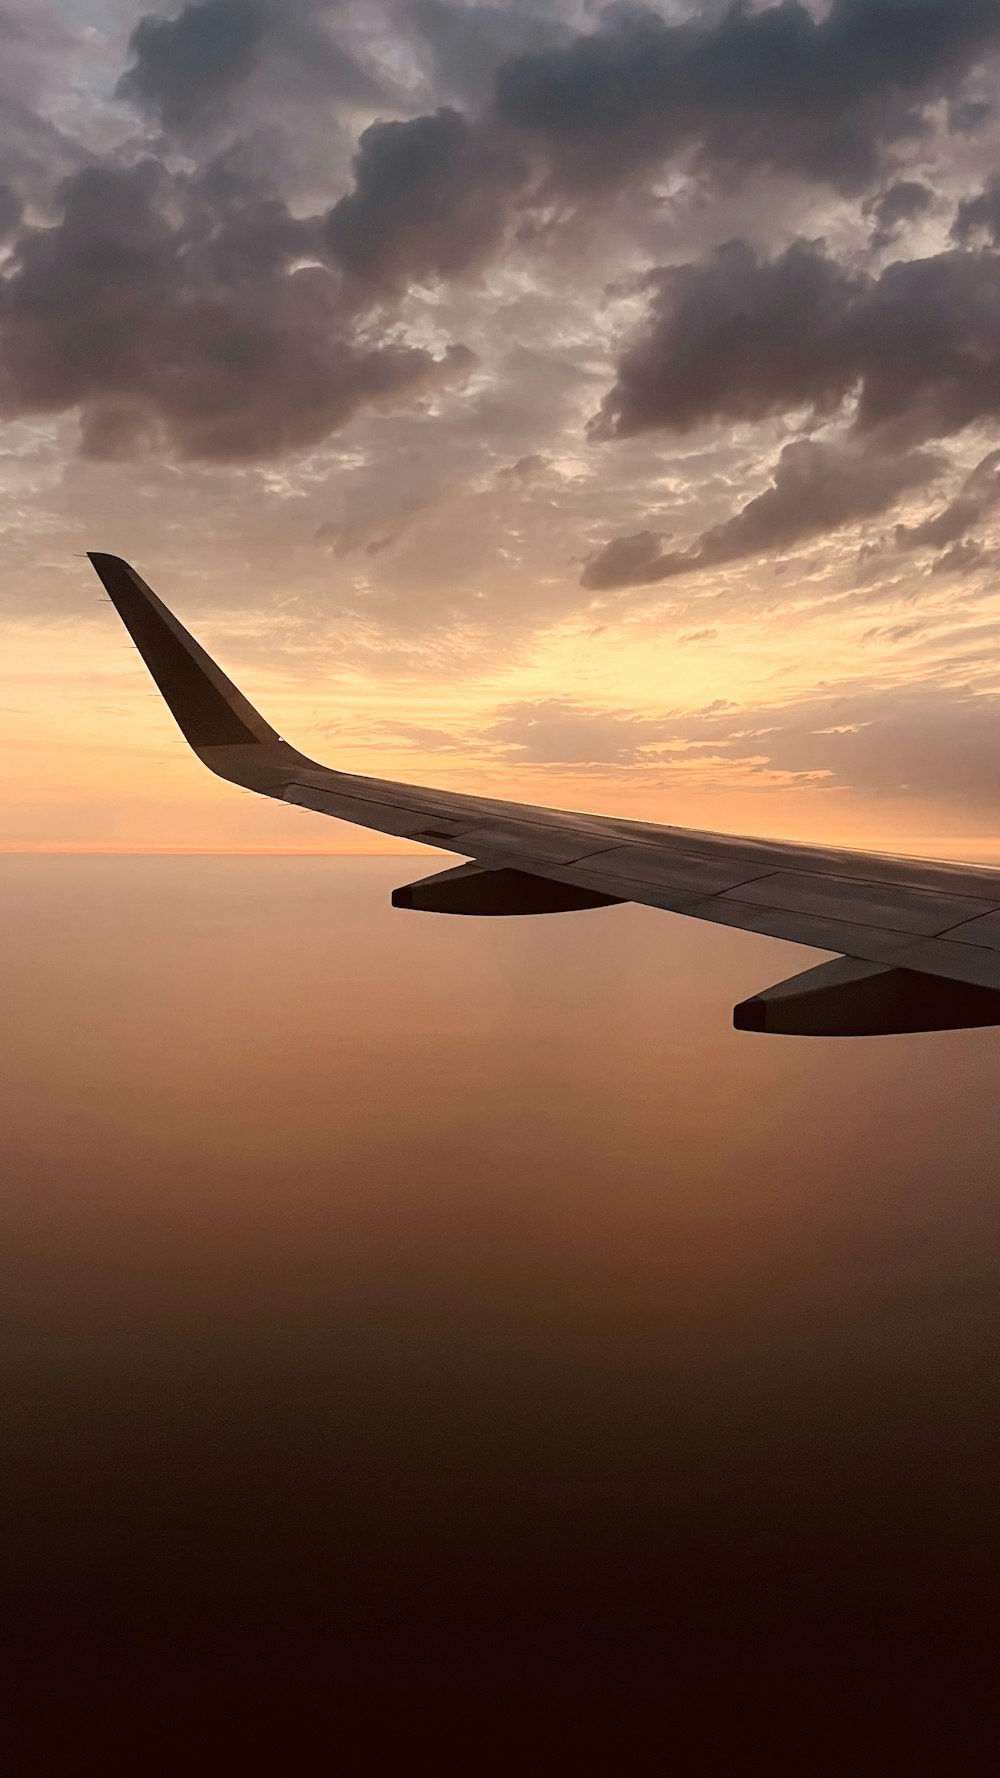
[[207, 707]]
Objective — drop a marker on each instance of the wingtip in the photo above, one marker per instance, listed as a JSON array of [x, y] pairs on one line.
[[100, 557], [208, 708]]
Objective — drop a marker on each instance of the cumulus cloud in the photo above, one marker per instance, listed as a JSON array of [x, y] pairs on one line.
[[980, 214], [182, 69], [193, 308], [899, 203], [817, 488], [771, 86], [431, 199], [226, 317], [738, 337], [468, 44]]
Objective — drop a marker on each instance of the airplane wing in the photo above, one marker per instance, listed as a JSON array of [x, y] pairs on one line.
[[917, 942]]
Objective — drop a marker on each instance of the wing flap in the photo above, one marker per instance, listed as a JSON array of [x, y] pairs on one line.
[[919, 911]]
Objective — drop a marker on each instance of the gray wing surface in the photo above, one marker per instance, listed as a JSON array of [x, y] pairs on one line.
[[922, 937]]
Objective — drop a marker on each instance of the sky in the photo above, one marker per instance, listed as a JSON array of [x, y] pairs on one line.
[[589, 404]]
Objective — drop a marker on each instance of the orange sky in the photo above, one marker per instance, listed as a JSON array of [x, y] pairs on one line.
[[588, 471]]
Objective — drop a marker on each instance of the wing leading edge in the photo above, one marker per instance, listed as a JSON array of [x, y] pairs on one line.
[[918, 941]]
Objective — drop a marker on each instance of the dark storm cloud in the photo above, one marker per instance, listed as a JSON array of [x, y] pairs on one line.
[[183, 68], [750, 86], [467, 44], [181, 65], [10, 212], [740, 338], [967, 117], [431, 199], [899, 203], [434, 196], [980, 214], [817, 488], [191, 308], [735, 337]]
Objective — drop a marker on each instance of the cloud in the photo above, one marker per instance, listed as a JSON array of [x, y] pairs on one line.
[[980, 214], [625, 561], [435, 196], [525, 470], [468, 44], [431, 199], [746, 86], [963, 558], [817, 488], [560, 731], [735, 337], [183, 65], [929, 740], [184, 68], [979, 494], [899, 203], [740, 338], [37, 53], [10, 212], [192, 308], [968, 117]]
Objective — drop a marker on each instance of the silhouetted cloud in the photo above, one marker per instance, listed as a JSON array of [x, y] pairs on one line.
[[469, 43], [183, 68], [431, 199], [241, 301], [817, 488], [10, 211], [737, 337], [899, 203], [195, 307], [773, 86], [183, 64], [968, 117], [980, 214]]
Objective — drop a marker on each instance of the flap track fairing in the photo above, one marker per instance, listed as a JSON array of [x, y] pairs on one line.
[[849, 998], [471, 889]]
